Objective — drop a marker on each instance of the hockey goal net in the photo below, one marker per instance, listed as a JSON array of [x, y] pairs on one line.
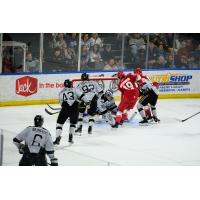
[[107, 83]]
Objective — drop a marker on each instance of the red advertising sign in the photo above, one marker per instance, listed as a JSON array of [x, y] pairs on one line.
[[26, 86]]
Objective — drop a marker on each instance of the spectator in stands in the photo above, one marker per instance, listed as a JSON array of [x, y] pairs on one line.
[[57, 57], [69, 55], [197, 51], [119, 64], [95, 39], [32, 64], [84, 57], [7, 65], [193, 62], [111, 65], [152, 54], [161, 51], [107, 54], [73, 41], [85, 40], [160, 62], [95, 58], [95, 55], [170, 62], [182, 62], [61, 44], [136, 42]]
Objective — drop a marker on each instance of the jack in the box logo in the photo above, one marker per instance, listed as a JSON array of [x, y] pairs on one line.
[[26, 86]]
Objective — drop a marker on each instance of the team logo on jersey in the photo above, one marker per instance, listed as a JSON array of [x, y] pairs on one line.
[[26, 86]]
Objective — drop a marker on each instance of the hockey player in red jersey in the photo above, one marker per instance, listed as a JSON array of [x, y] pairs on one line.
[[149, 92], [129, 95]]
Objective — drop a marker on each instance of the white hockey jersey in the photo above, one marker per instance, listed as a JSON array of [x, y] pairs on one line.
[[36, 138], [103, 105], [148, 85], [88, 89], [68, 95]]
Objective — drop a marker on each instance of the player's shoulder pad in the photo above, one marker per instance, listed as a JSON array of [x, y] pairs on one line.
[[46, 130]]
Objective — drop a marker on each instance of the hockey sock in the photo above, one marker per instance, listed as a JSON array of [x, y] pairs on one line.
[[141, 110], [153, 108], [118, 117], [59, 129], [80, 120], [124, 116], [91, 121], [72, 129]]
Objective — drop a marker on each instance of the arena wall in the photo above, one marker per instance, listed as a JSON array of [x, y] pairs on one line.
[[28, 89]]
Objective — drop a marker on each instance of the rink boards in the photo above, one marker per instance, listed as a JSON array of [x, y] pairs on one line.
[[28, 89]]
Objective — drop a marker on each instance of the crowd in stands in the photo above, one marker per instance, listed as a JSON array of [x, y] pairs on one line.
[[103, 51]]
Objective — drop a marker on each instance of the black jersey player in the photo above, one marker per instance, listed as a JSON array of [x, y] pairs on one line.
[[69, 109]]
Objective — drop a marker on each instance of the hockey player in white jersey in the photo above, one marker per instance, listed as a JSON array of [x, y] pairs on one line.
[[69, 109], [38, 143], [106, 107], [89, 91], [149, 93]]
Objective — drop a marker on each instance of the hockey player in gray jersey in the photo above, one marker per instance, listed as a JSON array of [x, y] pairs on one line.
[[38, 143], [89, 91], [149, 93], [69, 109], [106, 107]]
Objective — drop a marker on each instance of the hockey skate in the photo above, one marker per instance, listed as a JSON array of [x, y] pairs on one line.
[[156, 119], [70, 140], [57, 141], [79, 129], [90, 130], [150, 119], [116, 125], [144, 121]]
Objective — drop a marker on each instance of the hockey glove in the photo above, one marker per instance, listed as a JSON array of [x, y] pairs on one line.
[[21, 148], [54, 162]]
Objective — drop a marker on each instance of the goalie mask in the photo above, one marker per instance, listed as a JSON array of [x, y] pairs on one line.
[[108, 94], [84, 77], [67, 83], [38, 120]]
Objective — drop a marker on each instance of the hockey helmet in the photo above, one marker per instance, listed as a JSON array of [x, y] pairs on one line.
[[84, 77], [108, 94], [38, 120], [120, 74], [67, 83], [137, 70]]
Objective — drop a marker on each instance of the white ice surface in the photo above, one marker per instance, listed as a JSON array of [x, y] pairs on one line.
[[169, 143]]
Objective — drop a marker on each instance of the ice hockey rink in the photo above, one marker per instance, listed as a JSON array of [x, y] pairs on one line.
[[170, 142]]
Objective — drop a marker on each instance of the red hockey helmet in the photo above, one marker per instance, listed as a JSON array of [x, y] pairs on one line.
[[120, 74], [137, 70]]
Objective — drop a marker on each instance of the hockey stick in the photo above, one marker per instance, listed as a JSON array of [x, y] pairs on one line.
[[190, 117], [53, 108], [132, 116], [51, 113]]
